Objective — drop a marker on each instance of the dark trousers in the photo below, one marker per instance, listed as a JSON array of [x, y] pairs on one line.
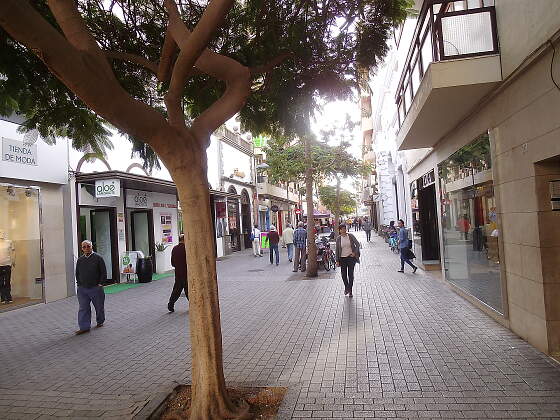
[[178, 287], [368, 235], [347, 270], [274, 250], [299, 259], [87, 296], [5, 285], [404, 258]]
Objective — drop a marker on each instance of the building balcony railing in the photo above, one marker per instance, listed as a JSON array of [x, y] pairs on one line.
[[234, 140], [446, 30]]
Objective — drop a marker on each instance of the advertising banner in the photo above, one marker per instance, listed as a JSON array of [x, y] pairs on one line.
[[128, 262]]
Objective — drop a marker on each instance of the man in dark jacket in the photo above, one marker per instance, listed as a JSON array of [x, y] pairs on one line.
[[179, 261], [91, 273], [274, 239]]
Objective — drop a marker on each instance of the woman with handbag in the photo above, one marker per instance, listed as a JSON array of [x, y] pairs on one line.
[[347, 255], [404, 248]]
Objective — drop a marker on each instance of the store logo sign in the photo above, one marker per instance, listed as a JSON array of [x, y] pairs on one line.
[[107, 188], [141, 200], [17, 152]]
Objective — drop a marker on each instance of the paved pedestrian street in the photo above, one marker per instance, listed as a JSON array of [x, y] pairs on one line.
[[405, 346]]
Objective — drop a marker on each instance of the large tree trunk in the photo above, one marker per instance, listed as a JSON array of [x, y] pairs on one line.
[[311, 247], [186, 161]]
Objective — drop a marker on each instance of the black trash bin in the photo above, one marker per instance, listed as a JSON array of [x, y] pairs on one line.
[[144, 269]]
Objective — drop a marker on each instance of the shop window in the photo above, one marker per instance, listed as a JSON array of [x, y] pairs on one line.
[[470, 223], [20, 246]]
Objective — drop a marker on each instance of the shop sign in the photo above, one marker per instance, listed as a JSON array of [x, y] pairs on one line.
[[428, 179], [258, 141], [18, 152], [274, 208], [164, 205], [107, 188], [263, 208], [137, 200]]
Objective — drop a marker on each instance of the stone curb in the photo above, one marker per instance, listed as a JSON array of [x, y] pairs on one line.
[[155, 406]]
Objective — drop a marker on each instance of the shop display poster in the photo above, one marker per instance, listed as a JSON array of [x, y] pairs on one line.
[[128, 262]]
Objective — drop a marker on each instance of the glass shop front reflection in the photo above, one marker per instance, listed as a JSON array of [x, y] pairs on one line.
[[20, 247], [470, 224]]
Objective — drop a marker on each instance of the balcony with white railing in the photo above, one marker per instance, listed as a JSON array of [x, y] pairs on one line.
[[276, 191], [452, 63]]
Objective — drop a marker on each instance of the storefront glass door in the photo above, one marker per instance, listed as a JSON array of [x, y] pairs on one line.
[[470, 224], [141, 232], [97, 225], [20, 246], [101, 237]]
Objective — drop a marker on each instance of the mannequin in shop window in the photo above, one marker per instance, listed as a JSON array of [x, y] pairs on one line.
[[7, 263]]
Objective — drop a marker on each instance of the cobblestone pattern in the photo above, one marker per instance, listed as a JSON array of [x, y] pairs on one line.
[[404, 347]]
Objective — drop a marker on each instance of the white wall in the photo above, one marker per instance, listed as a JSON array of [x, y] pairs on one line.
[[235, 159], [51, 160], [213, 164], [523, 25]]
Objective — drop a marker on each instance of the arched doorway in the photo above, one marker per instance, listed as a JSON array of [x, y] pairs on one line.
[[246, 218], [234, 220]]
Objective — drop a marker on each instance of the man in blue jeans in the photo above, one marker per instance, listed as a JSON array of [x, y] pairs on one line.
[[91, 273], [288, 239], [403, 247]]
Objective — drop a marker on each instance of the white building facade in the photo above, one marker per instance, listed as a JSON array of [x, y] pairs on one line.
[[34, 213]]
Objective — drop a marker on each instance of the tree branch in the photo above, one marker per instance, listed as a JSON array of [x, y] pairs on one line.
[[133, 58], [80, 72], [212, 17], [74, 28], [238, 84], [276, 61], [166, 60]]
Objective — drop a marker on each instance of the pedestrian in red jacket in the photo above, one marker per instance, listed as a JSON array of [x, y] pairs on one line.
[[179, 261]]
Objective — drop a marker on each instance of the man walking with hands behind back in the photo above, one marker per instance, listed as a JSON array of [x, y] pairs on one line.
[[91, 273], [367, 226], [179, 261], [300, 241]]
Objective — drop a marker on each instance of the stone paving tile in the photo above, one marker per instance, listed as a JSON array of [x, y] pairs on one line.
[[404, 347]]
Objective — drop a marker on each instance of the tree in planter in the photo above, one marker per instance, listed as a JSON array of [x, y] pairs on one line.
[[141, 68], [287, 163], [342, 39], [342, 164]]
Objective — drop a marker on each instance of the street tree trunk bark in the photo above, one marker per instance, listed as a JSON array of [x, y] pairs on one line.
[[185, 157], [311, 247]]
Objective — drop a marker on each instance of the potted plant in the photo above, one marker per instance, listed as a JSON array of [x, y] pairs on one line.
[[160, 256]]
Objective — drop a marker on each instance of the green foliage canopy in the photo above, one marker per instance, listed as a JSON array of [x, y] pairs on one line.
[[327, 195], [287, 162], [322, 43]]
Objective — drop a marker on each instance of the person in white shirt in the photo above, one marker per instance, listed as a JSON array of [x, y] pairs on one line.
[[288, 239], [7, 262], [256, 241]]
